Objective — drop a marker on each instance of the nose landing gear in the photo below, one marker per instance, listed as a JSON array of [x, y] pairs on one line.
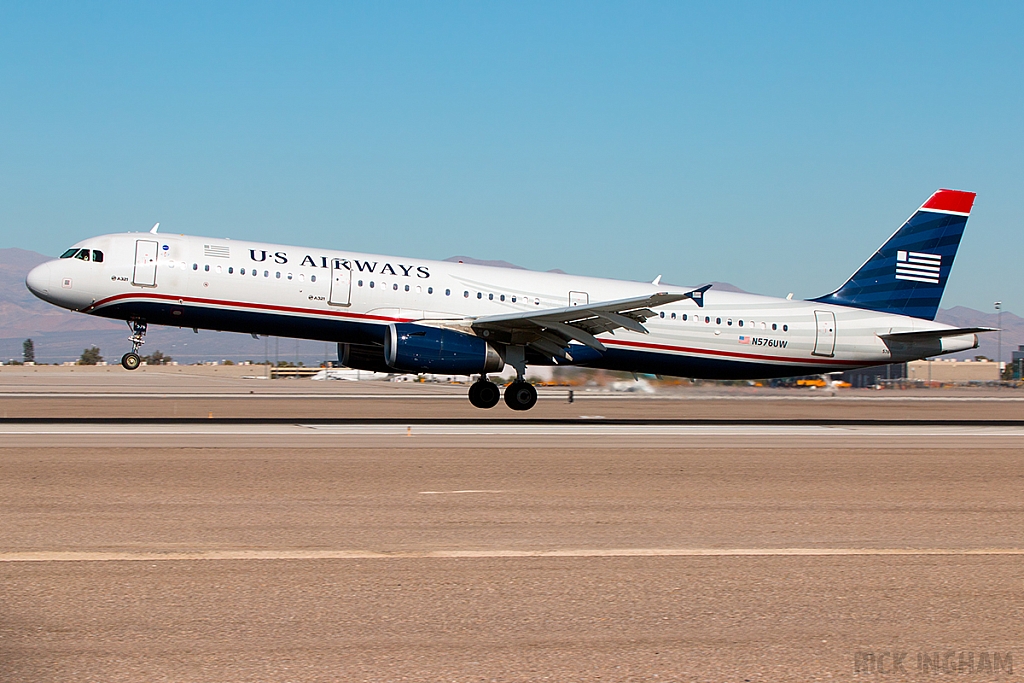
[[132, 360]]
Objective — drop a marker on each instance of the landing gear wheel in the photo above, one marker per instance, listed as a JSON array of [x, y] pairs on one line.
[[130, 361], [484, 394], [520, 395]]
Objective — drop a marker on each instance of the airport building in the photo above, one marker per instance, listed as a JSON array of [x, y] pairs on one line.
[[955, 371]]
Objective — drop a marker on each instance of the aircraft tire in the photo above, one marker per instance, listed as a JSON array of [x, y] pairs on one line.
[[130, 361], [484, 394], [520, 396]]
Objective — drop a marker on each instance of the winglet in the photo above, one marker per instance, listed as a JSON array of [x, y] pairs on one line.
[[154, 229], [657, 281], [697, 295]]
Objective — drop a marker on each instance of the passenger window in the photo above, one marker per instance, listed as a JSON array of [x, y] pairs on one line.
[[207, 267], [312, 278], [395, 287], [407, 288], [479, 295], [729, 321], [718, 321], [490, 297], [513, 298], [289, 276], [230, 270], [371, 284], [673, 316], [663, 314], [278, 275], [785, 328], [266, 273], [774, 326], [69, 253], [195, 266], [741, 323], [447, 292], [218, 269], [707, 319], [360, 283], [684, 316], [430, 290], [465, 294], [502, 297], [97, 256]]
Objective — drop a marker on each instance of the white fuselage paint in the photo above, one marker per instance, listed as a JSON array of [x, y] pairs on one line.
[[296, 282]]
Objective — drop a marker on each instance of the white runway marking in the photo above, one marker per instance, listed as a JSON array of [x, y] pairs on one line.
[[510, 429], [155, 556]]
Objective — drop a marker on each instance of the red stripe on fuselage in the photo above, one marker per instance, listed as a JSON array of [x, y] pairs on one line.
[[730, 354], [242, 304], [382, 318]]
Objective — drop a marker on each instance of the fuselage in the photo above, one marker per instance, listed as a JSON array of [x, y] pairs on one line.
[[347, 297]]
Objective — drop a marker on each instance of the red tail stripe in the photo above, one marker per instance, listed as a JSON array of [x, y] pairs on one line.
[[951, 200]]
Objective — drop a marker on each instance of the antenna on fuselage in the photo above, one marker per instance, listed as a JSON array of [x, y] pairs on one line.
[[154, 229]]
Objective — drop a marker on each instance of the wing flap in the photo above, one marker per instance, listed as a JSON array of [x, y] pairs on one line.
[[544, 330]]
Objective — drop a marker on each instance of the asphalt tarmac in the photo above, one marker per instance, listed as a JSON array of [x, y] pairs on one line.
[[516, 552]]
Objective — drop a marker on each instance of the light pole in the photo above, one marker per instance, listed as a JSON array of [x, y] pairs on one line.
[[999, 334]]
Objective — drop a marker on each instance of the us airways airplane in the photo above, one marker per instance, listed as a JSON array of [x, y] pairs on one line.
[[397, 314]]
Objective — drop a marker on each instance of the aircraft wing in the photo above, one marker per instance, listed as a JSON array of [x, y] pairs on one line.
[[550, 330], [926, 335]]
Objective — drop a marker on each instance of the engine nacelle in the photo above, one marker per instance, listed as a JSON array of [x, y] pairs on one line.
[[370, 358], [418, 348]]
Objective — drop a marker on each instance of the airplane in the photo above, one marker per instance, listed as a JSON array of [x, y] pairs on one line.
[[393, 314]]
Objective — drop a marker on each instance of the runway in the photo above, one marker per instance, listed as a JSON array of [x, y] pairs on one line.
[[622, 547]]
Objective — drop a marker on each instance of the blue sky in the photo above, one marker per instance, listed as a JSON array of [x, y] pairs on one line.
[[773, 145]]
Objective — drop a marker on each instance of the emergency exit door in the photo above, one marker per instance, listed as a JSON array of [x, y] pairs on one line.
[[145, 263], [341, 283], [825, 333]]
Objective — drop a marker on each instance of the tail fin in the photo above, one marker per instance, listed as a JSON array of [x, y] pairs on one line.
[[908, 273]]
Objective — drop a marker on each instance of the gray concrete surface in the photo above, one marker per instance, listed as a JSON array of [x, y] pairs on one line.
[[288, 553]]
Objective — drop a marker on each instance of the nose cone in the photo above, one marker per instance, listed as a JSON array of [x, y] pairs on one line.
[[38, 281]]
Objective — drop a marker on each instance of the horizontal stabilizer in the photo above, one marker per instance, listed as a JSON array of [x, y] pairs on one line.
[[925, 335]]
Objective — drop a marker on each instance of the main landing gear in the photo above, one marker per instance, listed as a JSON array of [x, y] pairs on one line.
[[484, 393], [132, 360], [519, 395]]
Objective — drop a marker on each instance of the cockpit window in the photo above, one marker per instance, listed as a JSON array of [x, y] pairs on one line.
[[69, 253], [82, 254], [97, 256]]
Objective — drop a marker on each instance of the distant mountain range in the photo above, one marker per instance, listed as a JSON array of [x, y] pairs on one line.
[[61, 335]]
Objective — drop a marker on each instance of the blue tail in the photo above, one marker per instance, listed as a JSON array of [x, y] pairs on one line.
[[908, 273]]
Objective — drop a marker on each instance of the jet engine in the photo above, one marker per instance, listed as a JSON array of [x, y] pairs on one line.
[[369, 358], [418, 348]]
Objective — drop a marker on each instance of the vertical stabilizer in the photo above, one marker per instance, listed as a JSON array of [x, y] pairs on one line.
[[907, 275]]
